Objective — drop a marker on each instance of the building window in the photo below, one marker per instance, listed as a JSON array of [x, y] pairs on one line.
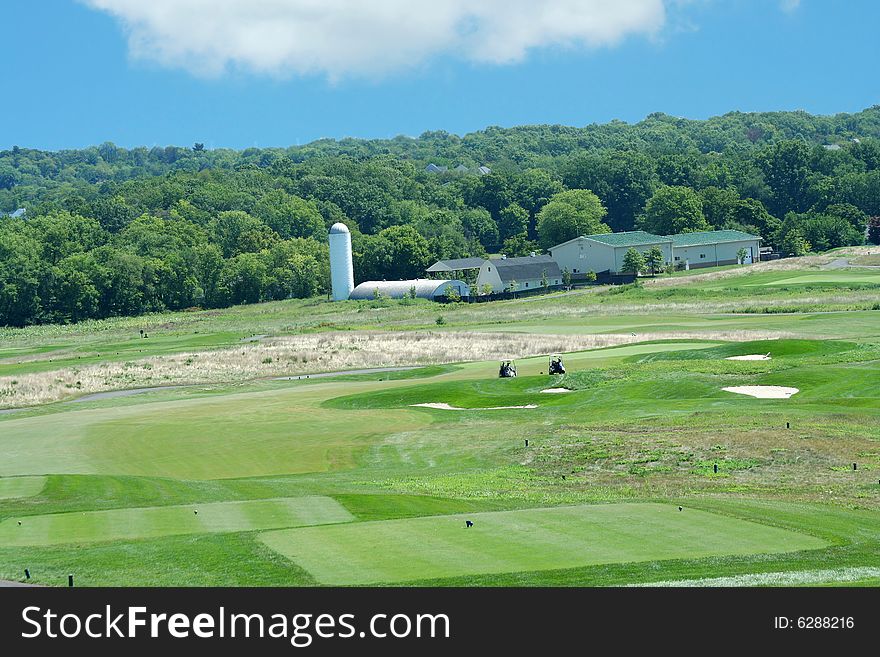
[[702, 255], [677, 258], [575, 271], [527, 284]]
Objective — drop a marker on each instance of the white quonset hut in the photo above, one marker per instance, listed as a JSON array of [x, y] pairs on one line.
[[341, 267], [425, 288]]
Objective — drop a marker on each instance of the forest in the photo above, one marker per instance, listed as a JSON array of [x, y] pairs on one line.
[[108, 231]]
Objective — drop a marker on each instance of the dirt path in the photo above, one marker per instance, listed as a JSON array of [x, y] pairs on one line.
[[369, 370], [119, 393], [5, 583]]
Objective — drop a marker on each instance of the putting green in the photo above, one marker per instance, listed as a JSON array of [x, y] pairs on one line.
[[526, 540], [11, 487], [150, 522]]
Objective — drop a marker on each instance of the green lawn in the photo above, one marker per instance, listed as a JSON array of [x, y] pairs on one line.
[[528, 540], [107, 489], [150, 522], [283, 431], [11, 487]]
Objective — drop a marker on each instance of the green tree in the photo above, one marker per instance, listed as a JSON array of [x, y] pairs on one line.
[[623, 179], [452, 294], [519, 245], [62, 234], [633, 262], [786, 168], [566, 277], [238, 232], [244, 278], [741, 254], [22, 279], [408, 252], [794, 243], [847, 211], [674, 210], [512, 220], [290, 216], [478, 225], [654, 260], [570, 214], [75, 295], [874, 230]]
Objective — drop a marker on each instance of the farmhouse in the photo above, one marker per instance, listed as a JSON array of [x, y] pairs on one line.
[[717, 247], [518, 274], [605, 252], [424, 288]]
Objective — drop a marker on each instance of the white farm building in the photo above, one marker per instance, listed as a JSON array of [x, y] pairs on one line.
[[717, 247], [606, 251], [425, 288], [518, 274]]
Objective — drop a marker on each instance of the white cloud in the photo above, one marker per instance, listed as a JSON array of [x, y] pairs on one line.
[[789, 5], [340, 38]]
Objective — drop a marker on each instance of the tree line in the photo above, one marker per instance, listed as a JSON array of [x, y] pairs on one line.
[[110, 231]]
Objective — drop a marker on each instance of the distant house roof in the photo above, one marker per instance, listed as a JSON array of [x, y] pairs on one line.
[[711, 237], [526, 268], [462, 168], [484, 170], [434, 168], [458, 264], [15, 214], [626, 238], [831, 147], [426, 288]]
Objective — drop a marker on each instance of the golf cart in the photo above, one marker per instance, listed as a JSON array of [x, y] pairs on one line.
[[507, 369], [556, 366]]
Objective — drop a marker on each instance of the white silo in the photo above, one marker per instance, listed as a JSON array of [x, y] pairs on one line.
[[341, 269]]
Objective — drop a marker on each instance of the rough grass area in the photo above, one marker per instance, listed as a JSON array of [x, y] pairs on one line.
[[527, 540], [300, 354]]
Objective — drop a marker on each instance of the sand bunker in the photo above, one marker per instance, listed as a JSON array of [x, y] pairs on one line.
[[447, 407], [764, 392], [555, 391], [750, 357]]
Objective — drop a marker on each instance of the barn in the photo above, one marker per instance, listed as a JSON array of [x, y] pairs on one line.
[[518, 274], [424, 288]]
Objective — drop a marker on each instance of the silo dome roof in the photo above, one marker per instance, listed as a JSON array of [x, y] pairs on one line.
[[337, 228]]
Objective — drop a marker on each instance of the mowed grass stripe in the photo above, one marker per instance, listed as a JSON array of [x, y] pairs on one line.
[[12, 487], [152, 522], [520, 541]]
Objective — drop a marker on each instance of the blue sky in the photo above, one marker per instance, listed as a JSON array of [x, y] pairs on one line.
[[82, 72]]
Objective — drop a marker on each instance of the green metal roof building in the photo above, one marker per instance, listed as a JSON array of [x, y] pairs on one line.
[[606, 251]]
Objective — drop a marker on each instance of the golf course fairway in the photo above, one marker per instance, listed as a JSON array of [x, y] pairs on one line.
[[120, 524], [524, 540]]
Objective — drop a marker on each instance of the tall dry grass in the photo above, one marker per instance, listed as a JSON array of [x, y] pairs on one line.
[[313, 353]]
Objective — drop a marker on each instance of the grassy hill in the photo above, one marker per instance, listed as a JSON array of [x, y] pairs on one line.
[[226, 482]]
